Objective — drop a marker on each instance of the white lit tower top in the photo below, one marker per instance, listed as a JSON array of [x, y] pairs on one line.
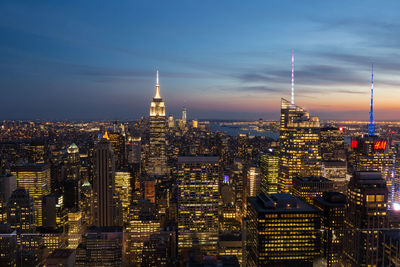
[[184, 112], [371, 125], [157, 107], [292, 78]]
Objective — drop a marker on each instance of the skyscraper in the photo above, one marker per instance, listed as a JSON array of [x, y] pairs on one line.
[[123, 188], [365, 214], [143, 222], [253, 181], [100, 247], [35, 178], [184, 112], [300, 145], [117, 141], [332, 206], [281, 231], [157, 164], [336, 171], [72, 178], [269, 164], [171, 122], [309, 188], [8, 246], [21, 217], [198, 199], [134, 150], [332, 144], [106, 210], [8, 183], [372, 153]]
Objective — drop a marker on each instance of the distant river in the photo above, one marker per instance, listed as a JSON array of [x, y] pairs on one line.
[[234, 130]]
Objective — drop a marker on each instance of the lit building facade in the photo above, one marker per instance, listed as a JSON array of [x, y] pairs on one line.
[[332, 144], [21, 214], [238, 177], [184, 115], [269, 165], [8, 246], [100, 247], [54, 212], [35, 178], [372, 153], [253, 181], [171, 121], [366, 213], [332, 207], [36, 152], [72, 180], [300, 145], [389, 248], [75, 229], [21, 217], [8, 183], [336, 171], [198, 200], [157, 164], [105, 201], [134, 150], [124, 190], [309, 188], [117, 142], [282, 230], [142, 224]]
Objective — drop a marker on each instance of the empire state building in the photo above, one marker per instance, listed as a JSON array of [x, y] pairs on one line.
[[157, 164]]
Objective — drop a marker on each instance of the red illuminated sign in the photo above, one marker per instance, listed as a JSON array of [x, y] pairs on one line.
[[380, 145], [354, 143]]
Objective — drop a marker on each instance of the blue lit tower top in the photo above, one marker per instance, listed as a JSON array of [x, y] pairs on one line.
[[371, 125]]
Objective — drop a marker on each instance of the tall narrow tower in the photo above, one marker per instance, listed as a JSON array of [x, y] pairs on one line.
[[292, 78], [105, 204], [184, 112], [371, 125], [157, 164]]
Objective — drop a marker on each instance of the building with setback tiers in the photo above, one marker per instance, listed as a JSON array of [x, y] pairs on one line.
[[157, 163], [281, 231], [372, 153], [300, 145]]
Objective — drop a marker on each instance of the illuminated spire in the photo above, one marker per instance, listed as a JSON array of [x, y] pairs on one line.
[[371, 125], [106, 136], [292, 77], [157, 87]]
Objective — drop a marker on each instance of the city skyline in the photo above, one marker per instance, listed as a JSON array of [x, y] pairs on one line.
[[71, 61]]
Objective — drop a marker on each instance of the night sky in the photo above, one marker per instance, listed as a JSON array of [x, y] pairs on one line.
[[221, 59]]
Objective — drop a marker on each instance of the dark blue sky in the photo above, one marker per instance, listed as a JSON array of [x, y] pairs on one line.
[[221, 59]]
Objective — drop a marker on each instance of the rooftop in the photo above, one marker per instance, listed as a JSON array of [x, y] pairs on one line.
[[332, 199], [281, 202], [198, 159], [61, 253]]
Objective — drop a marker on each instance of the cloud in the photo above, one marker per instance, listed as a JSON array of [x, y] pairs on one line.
[[307, 75]]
